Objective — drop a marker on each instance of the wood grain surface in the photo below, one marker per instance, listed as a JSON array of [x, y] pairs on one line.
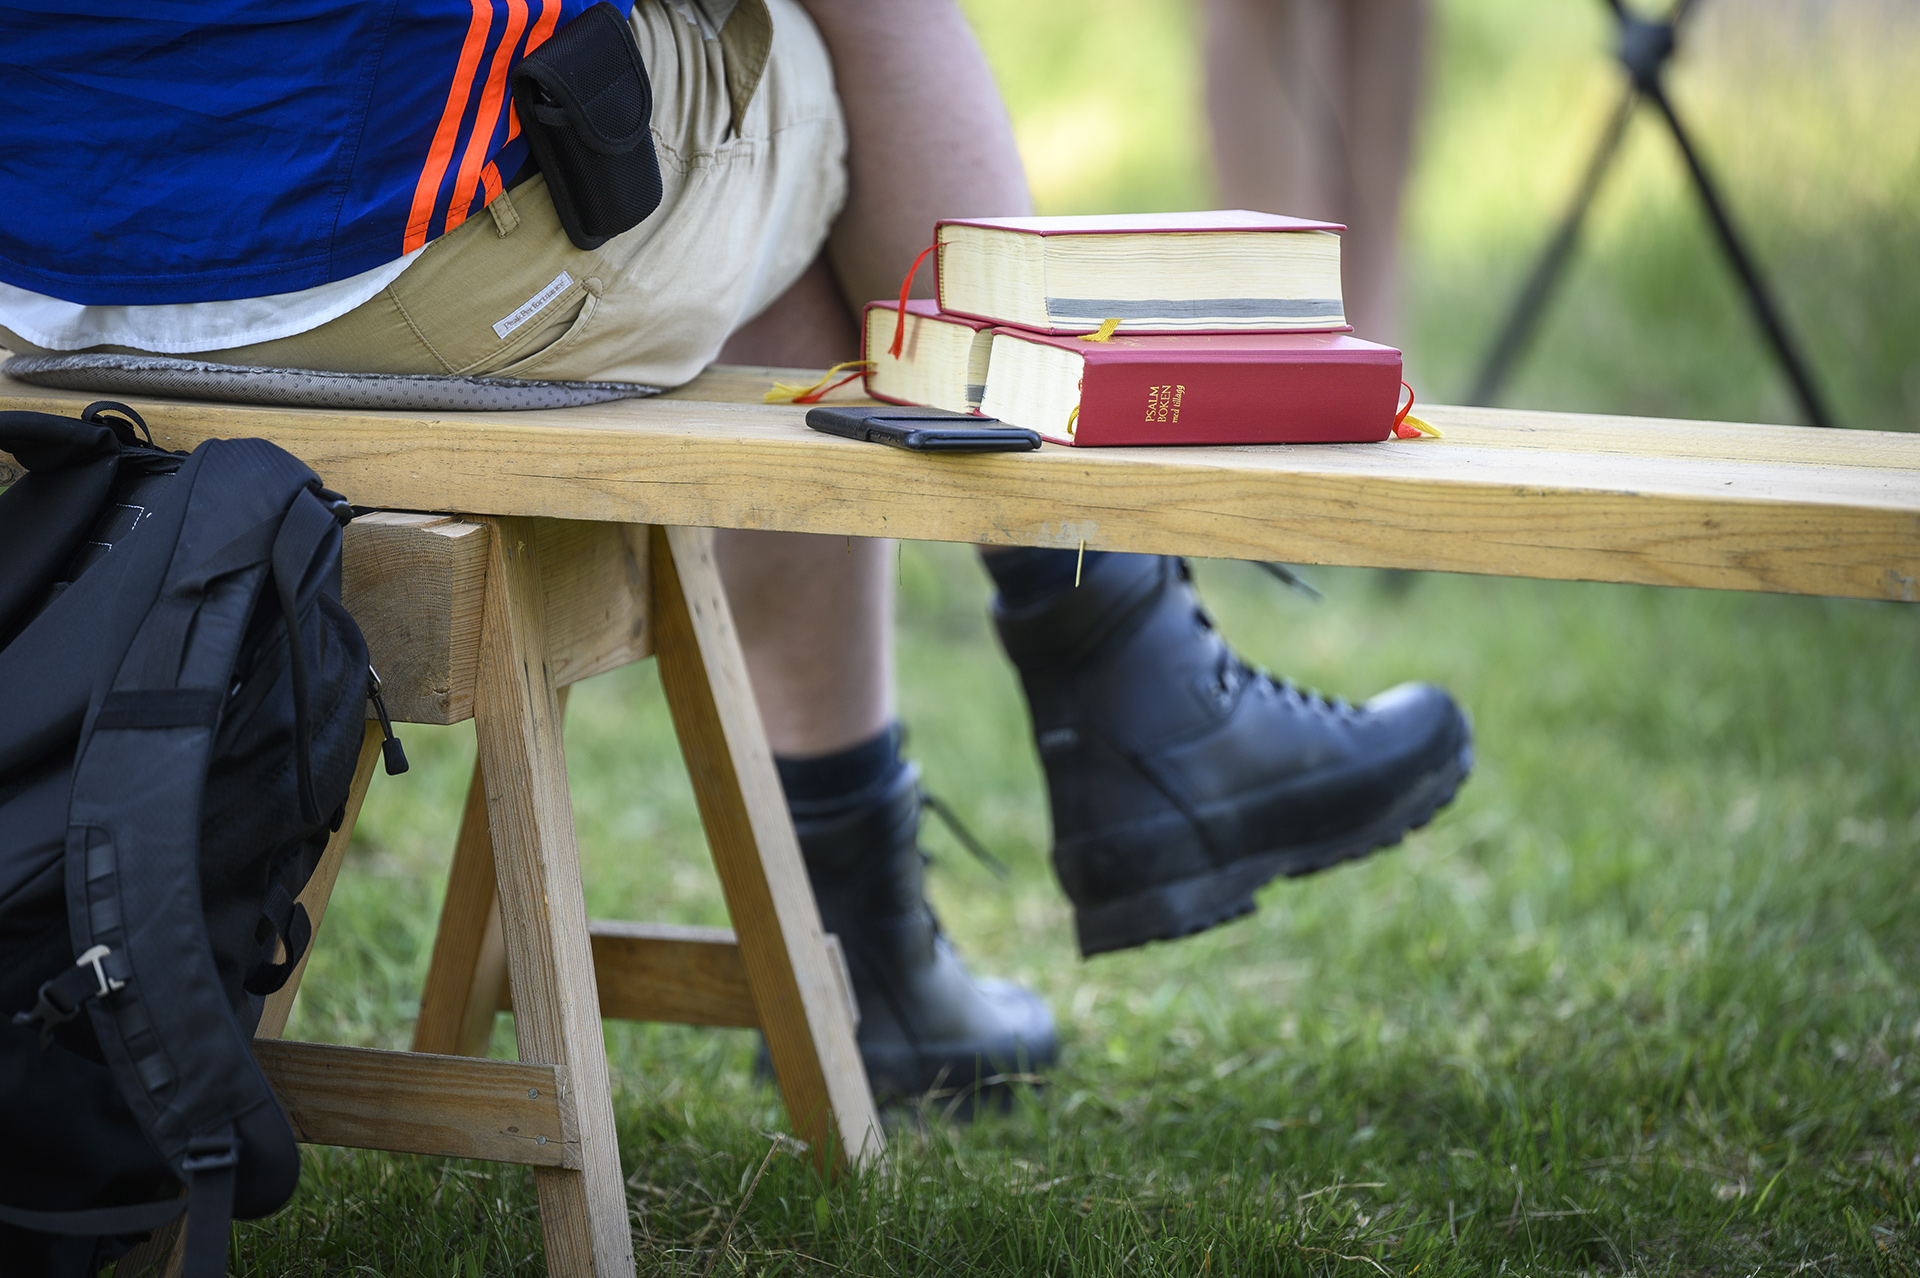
[[467, 974], [680, 975], [415, 583], [799, 992], [448, 1106], [1508, 492], [542, 909], [663, 972]]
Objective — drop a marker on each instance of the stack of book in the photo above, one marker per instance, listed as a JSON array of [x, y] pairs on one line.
[[1170, 328]]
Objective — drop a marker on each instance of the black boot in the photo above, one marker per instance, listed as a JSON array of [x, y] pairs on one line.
[[924, 1021], [1182, 780]]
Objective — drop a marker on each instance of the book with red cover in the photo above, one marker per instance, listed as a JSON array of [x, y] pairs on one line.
[[1224, 270], [942, 360], [1229, 388]]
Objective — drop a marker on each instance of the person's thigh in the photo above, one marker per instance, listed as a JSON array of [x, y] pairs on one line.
[[745, 208]]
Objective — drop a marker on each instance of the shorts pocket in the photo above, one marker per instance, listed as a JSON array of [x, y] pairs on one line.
[[553, 342]]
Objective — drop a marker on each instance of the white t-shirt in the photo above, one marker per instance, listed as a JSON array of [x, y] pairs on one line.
[[181, 328]]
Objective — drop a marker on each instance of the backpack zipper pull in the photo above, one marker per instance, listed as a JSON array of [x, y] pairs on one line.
[[390, 748]]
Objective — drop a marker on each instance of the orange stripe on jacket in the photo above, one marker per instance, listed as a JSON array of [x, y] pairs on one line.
[[487, 118], [426, 193], [549, 17]]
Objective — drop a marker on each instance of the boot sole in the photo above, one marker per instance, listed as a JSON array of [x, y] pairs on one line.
[[973, 1074], [1186, 906]]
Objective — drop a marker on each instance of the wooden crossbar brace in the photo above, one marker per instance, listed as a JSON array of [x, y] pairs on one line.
[[412, 1103], [681, 975]]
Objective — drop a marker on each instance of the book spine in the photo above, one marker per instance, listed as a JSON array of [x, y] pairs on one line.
[[1266, 402]]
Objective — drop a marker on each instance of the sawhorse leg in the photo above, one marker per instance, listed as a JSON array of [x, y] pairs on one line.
[[796, 989], [798, 992], [516, 890], [468, 972], [543, 909]]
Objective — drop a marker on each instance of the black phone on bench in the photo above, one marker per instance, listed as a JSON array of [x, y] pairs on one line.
[[924, 430]]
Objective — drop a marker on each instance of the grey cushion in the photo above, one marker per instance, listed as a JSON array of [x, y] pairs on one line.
[[304, 388]]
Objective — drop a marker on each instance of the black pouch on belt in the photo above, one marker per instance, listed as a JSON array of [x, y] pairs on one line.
[[585, 104]]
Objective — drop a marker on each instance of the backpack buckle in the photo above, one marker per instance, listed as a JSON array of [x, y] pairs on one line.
[[205, 1154], [96, 958], [60, 999]]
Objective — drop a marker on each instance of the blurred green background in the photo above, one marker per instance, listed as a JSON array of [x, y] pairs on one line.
[[1808, 113]]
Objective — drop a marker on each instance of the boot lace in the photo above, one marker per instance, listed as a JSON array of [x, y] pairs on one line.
[[951, 819], [1233, 672]]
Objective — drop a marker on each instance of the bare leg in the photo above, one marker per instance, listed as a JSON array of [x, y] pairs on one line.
[[821, 656], [1386, 53], [1312, 106], [928, 136], [929, 139], [814, 613], [808, 326], [1273, 88]]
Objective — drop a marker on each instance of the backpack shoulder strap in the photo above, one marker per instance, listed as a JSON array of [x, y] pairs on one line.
[[182, 1060]]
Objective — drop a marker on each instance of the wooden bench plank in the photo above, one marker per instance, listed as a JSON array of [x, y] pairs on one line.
[[447, 1106], [1514, 493]]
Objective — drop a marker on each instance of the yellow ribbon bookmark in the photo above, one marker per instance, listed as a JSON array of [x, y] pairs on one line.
[[786, 393], [1406, 425], [1104, 333]]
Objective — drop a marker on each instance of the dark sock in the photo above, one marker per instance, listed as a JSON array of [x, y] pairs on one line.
[[1028, 575], [829, 784]]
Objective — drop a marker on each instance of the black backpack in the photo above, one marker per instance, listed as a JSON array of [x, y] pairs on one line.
[[170, 768]]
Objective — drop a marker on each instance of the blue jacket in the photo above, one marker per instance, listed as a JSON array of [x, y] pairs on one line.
[[202, 150]]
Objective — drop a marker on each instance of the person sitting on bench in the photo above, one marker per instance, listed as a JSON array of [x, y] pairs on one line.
[[344, 187]]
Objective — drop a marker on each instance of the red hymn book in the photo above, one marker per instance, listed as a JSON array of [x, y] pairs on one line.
[[1241, 388]]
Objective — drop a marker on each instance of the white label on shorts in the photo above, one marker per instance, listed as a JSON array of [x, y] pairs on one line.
[[533, 305]]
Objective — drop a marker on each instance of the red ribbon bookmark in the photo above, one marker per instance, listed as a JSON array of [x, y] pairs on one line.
[[1407, 426], [900, 318], [1400, 429]]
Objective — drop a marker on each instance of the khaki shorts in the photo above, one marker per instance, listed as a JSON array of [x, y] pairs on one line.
[[745, 210]]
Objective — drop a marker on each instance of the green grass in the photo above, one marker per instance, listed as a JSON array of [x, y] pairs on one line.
[[1646, 998]]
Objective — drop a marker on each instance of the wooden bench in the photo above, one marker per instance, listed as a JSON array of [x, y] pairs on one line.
[[1516, 493]]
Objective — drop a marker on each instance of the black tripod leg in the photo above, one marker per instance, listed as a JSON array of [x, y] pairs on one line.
[[1797, 369], [1546, 272]]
